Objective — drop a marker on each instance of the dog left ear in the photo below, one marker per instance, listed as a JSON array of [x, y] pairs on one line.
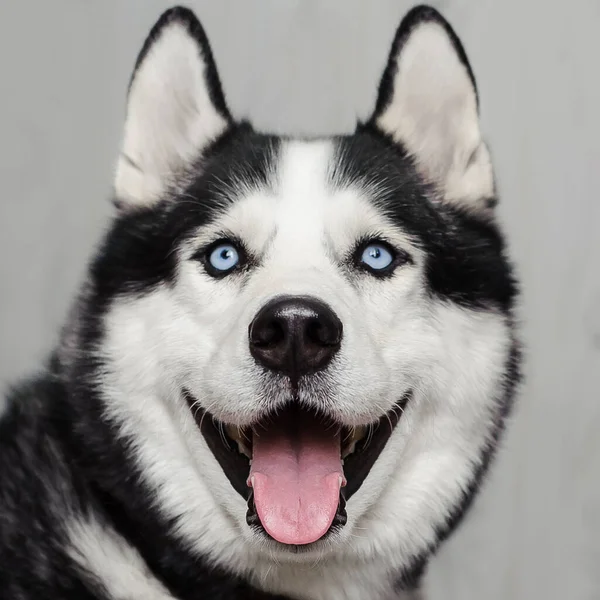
[[175, 110], [428, 104]]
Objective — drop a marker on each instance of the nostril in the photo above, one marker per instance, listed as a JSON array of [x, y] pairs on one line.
[[321, 334], [314, 332], [267, 334], [325, 330]]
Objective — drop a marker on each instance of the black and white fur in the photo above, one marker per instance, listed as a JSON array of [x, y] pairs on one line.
[[107, 488]]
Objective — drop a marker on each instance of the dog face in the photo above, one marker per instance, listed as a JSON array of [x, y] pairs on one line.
[[309, 342]]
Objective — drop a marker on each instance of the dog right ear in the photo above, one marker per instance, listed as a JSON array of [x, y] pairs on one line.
[[428, 104], [175, 110]]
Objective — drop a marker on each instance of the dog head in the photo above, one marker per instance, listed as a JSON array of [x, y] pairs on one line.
[[308, 343]]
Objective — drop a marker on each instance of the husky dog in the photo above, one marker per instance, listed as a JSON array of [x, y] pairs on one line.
[[291, 360]]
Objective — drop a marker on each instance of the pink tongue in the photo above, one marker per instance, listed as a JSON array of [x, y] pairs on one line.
[[296, 475]]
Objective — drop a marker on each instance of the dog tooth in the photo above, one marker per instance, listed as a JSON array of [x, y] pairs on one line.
[[359, 433], [232, 432], [350, 448], [243, 449]]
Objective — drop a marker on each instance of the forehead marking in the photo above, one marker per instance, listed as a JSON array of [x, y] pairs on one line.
[[303, 173], [301, 198]]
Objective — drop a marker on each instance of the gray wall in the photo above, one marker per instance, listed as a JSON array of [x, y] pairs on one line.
[[312, 66]]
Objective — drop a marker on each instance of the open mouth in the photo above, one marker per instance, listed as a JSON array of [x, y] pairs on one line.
[[296, 469]]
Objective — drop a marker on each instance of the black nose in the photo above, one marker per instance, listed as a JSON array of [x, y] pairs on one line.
[[295, 335]]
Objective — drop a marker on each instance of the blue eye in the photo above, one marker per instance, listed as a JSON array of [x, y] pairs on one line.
[[223, 258], [377, 257]]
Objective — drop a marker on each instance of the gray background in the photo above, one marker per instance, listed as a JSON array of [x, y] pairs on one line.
[[312, 66]]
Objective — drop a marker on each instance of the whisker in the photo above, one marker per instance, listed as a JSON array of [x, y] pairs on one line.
[[220, 427]]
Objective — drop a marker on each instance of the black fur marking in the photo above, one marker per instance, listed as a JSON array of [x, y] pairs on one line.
[[239, 160], [38, 485], [466, 260], [415, 17], [188, 19], [139, 251]]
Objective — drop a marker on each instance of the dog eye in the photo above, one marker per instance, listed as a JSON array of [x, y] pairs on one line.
[[222, 258], [377, 257]]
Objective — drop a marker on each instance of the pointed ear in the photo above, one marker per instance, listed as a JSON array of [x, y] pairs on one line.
[[175, 109], [428, 104]]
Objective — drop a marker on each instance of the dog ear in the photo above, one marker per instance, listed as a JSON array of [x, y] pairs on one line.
[[175, 110], [428, 104]]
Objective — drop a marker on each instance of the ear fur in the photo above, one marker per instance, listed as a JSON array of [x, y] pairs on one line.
[[175, 110], [428, 104]]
